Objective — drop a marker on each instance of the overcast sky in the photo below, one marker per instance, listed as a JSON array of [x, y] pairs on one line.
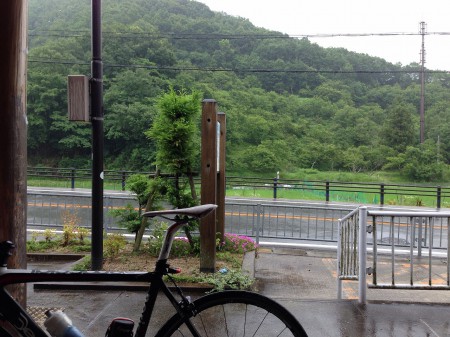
[[297, 17]]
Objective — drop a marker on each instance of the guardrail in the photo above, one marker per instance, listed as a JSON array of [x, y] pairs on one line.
[[363, 193], [406, 256], [71, 177], [52, 209], [282, 221], [288, 221]]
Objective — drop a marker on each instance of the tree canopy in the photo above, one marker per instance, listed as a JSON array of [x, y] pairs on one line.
[[290, 103]]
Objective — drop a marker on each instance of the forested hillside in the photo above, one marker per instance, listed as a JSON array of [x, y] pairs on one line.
[[289, 103]]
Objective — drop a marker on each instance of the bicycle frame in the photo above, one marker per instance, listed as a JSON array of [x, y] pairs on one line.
[[23, 324], [14, 319]]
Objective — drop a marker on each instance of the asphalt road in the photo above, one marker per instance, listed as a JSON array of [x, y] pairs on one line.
[[264, 219]]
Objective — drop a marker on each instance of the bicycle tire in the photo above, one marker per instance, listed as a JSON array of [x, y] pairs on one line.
[[235, 313]]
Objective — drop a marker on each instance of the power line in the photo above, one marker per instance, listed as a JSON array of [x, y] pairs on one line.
[[240, 70], [216, 36]]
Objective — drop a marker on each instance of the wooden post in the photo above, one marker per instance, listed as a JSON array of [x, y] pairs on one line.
[[220, 211], [13, 133], [209, 185]]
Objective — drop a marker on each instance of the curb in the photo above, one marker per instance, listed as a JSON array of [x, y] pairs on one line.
[[53, 257], [115, 286], [248, 266]]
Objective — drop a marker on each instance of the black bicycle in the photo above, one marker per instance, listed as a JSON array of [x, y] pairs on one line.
[[225, 313]]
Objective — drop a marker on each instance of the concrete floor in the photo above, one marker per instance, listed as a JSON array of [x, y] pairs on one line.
[[301, 280]]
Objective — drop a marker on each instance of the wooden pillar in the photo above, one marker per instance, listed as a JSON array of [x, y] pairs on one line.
[[220, 199], [13, 132], [209, 185]]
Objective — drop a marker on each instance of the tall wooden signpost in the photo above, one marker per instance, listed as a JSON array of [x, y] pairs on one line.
[[212, 182]]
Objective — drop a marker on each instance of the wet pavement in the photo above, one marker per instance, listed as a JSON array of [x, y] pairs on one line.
[[303, 280]]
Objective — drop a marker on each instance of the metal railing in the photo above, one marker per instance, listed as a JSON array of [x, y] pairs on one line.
[[347, 249], [81, 178], [53, 209], [398, 264], [286, 221], [362, 193]]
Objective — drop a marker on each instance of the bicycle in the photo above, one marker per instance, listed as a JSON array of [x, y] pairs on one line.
[[225, 313]]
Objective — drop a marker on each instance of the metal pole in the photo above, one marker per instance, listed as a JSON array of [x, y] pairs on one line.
[[339, 260], [258, 222], [275, 183], [422, 83], [72, 178], [362, 282], [438, 197], [97, 137]]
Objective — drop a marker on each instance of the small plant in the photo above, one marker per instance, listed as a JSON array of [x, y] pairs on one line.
[[68, 235], [229, 279], [49, 234], [414, 201], [84, 264], [235, 260], [70, 222], [113, 244], [419, 202], [35, 245], [82, 233]]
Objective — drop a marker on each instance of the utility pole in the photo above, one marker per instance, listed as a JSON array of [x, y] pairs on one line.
[[97, 136], [422, 83]]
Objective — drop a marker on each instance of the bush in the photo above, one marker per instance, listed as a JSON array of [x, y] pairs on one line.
[[72, 230], [237, 243], [113, 244], [128, 217], [38, 246], [49, 234], [181, 247]]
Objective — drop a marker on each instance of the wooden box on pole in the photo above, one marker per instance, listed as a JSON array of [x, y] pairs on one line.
[[209, 185], [78, 97]]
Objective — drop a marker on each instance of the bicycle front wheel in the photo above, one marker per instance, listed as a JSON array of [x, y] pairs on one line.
[[234, 313]]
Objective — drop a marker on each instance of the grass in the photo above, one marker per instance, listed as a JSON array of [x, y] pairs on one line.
[[66, 183]]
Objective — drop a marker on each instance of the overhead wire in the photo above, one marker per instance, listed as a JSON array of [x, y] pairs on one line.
[[122, 34], [239, 70], [213, 36]]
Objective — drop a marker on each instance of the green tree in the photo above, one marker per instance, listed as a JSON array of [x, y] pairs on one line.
[[177, 140], [422, 163], [399, 129]]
